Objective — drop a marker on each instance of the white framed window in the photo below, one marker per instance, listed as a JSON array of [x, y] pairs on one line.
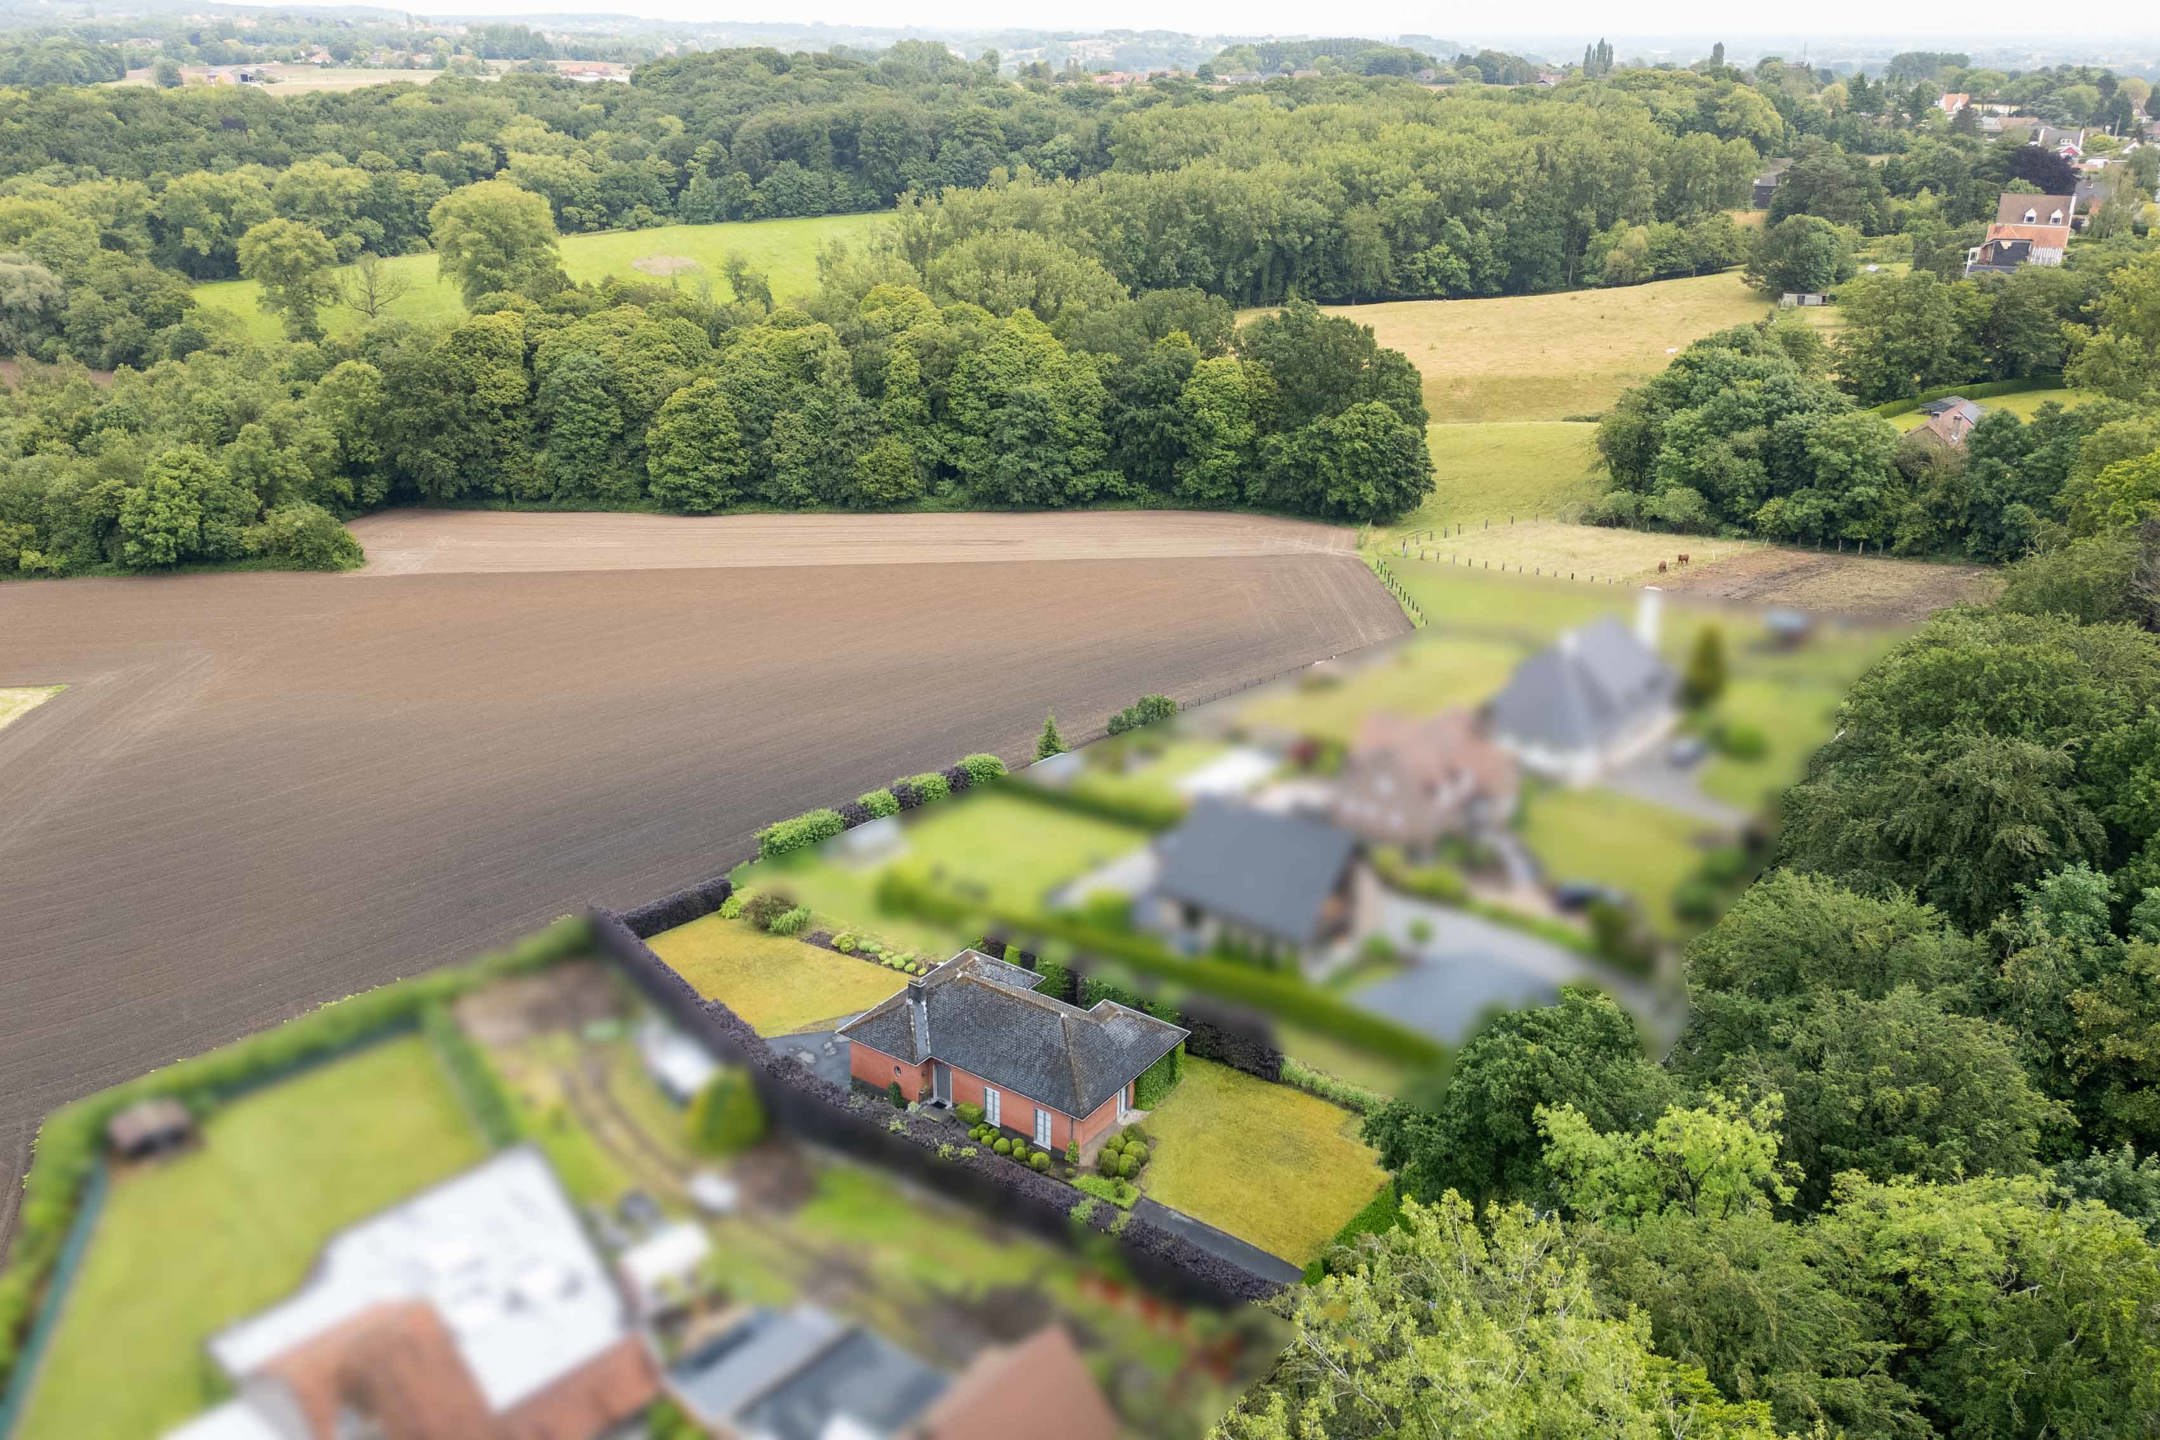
[[1042, 1127], [990, 1104], [1124, 1104]]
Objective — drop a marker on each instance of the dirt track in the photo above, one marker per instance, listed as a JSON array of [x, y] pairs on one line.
[[410, 542], [263, 791], [1865, 588]]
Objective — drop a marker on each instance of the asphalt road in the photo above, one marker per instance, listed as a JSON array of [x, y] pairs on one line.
[[261, 792]]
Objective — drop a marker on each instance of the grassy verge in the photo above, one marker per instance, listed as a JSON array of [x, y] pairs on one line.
[[779, 985], [189, 1246], [1268, 1164]]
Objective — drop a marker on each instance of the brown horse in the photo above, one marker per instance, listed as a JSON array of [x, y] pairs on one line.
[[1661, 567], [1683, 557]]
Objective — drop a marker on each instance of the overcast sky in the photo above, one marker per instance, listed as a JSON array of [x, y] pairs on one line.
[[1828, 19]]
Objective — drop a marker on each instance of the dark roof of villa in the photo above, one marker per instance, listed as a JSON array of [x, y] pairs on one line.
[[1270, 872], [983, 1016], [1584, 692]]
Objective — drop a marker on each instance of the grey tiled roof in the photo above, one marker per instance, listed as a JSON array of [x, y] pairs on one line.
[[983, 1016], [789, 1375], [1270, 872], [1584, 692]]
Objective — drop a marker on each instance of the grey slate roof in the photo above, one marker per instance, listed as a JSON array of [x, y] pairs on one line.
[[1583, 692], [789, 1375], [1270, 872], [983, 1016], [1954, 405]]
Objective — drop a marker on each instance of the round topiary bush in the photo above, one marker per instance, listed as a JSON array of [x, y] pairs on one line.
[[1003, 1146], [1106, 1162], [1125, 1167], [844, 943], [1137, 1154], [1039, 1160]]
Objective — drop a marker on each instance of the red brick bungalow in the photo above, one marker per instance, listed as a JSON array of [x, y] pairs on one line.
[[974, 1032]]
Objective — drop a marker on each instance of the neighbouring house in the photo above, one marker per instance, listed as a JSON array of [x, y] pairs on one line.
[[801, 1374], [1797, 299], [2028, 230], [974, 1032], [157, 1126], [2070, 144], [1039, 1388], [1410, 782], [1597, 698], [476, 1310], [1766, 186], [1952, 102], [1269, 883], [1950, 420]]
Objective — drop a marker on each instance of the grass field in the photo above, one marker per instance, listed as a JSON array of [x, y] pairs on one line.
[[1271, 1165], [186, 1247], [2025, 404], [779, 985], [1552, 357], [1557, 547], [1437, 674], [295, 79], [20, 700], [1504, 467], [688, 255], [1617, 840]]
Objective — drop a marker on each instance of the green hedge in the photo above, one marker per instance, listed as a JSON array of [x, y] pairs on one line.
[[880, 803], [476, 1081], [787, 836], [1300, 1076], [1381, 1214], [68, 1142], [1983, 390], [1125, 807], [928, 786], [1281, 995]]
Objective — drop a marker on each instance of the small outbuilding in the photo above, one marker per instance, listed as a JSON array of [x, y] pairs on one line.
[[150, 1128]]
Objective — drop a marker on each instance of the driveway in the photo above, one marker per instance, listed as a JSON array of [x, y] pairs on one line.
[[1678, 788], [1470, 967], [821, 1050], [1220, 1244]]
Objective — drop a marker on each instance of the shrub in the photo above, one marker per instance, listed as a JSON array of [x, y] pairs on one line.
[[790, 922], [1159, 1079], [766, 906], [1072, 1152], [1695, 900], [898, 1125], [894, 1093], [1137, 1154], [981, 767], [731, 907], [1620, 936], [788, 836], [1107, 1161], [844, 943], [1039, 1161], [1117, 1192], [1725, 865], [727, 1116], [880, 803], [1126, 1166], [956, 778], [946, 1151], [853, 813], [904, 795], [1132, 1133], [1003, 1146], [303, 536], [1741, 741], [1145, 711], [1083, 1210], [972, 1115], [928, 786]]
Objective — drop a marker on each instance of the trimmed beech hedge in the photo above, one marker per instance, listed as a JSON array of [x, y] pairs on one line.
[[68, 1143], [1128, 808], [982, 768]]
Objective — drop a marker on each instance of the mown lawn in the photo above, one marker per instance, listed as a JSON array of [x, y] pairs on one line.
[[189, 1246], [2025, 404], [777, 984], [685, 255], [1270, 1165], [1433, 673], [1153, 769], [1553, 357], [1795, 718], [1618, 840]]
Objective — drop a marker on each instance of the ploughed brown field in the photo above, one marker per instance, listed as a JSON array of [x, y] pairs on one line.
[[259, 791]]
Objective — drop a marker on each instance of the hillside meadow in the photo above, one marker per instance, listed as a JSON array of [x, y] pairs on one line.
[[690, 255]]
